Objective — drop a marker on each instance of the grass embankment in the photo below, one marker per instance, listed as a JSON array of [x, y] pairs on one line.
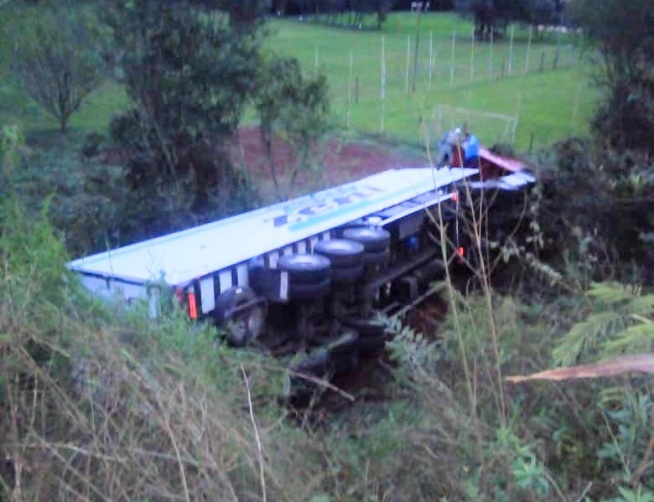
[[103, 403]]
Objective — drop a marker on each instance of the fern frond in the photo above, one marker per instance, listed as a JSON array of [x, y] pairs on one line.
[[634, 339], [584, 335], [643, 305], [613, 396], [642, 319], [611, 293]]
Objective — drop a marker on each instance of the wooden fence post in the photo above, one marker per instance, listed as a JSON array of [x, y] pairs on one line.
[[452, 58]]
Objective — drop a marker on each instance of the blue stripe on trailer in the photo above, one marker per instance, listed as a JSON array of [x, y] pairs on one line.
[[365, 203]]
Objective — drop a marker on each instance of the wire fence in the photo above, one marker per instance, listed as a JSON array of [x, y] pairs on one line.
[[392, 84]]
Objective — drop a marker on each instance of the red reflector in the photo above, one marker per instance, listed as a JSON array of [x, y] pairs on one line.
[[192, 306], [460, 251], [455, 196]]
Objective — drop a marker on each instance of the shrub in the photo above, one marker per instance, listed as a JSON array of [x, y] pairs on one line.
[[92, 145], [592, 210], [86, 198]]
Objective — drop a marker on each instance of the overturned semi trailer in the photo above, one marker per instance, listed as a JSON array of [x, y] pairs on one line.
[[306, 276]]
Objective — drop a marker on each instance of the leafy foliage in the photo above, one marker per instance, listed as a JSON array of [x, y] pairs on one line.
[[495, 15], [292, 107], [592, 211], [620, 323], [88, 199], [352, 14], [243, 14], [57, 53], [189, 76], [624, 117]]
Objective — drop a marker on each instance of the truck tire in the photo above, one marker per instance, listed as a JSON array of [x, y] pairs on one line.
[[377, 257], [242, 325], [310, 269], [309, 291], [346, 275], [373, 239], [341, 252]]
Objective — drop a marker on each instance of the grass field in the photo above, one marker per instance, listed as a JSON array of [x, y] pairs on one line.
[[543, 84], [450, 72]]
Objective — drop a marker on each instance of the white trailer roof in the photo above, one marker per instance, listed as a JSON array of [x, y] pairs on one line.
[[180, 257]]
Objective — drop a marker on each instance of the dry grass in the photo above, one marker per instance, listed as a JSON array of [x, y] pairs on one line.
[[116, 430], [88, 418]]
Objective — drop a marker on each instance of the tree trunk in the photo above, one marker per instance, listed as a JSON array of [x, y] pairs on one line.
[[266, 138], [63, 123]]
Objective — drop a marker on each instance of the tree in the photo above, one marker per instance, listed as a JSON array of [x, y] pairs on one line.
[[189, 75], [191, 68], [350, 13], [383, 7], [245, 13], [57, 54], [495, 15], [625, 117], [292, 107]]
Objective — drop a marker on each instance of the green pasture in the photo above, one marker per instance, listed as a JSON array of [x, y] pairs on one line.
[[542, 85], [541, 88]]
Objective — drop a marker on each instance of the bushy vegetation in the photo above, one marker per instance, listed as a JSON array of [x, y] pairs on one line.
[[99, 402], [624, 117], [596, 190], [495, 15], [189, 76], [292, 107]]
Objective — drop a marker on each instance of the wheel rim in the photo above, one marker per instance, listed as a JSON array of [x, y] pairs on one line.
[[238, 333], [255, 323], [247, 326]]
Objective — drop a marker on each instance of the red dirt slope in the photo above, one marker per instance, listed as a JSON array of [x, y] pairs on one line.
[[337, 161]]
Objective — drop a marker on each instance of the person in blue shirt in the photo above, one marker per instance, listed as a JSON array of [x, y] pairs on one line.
[[470, 147], [453, 141]]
